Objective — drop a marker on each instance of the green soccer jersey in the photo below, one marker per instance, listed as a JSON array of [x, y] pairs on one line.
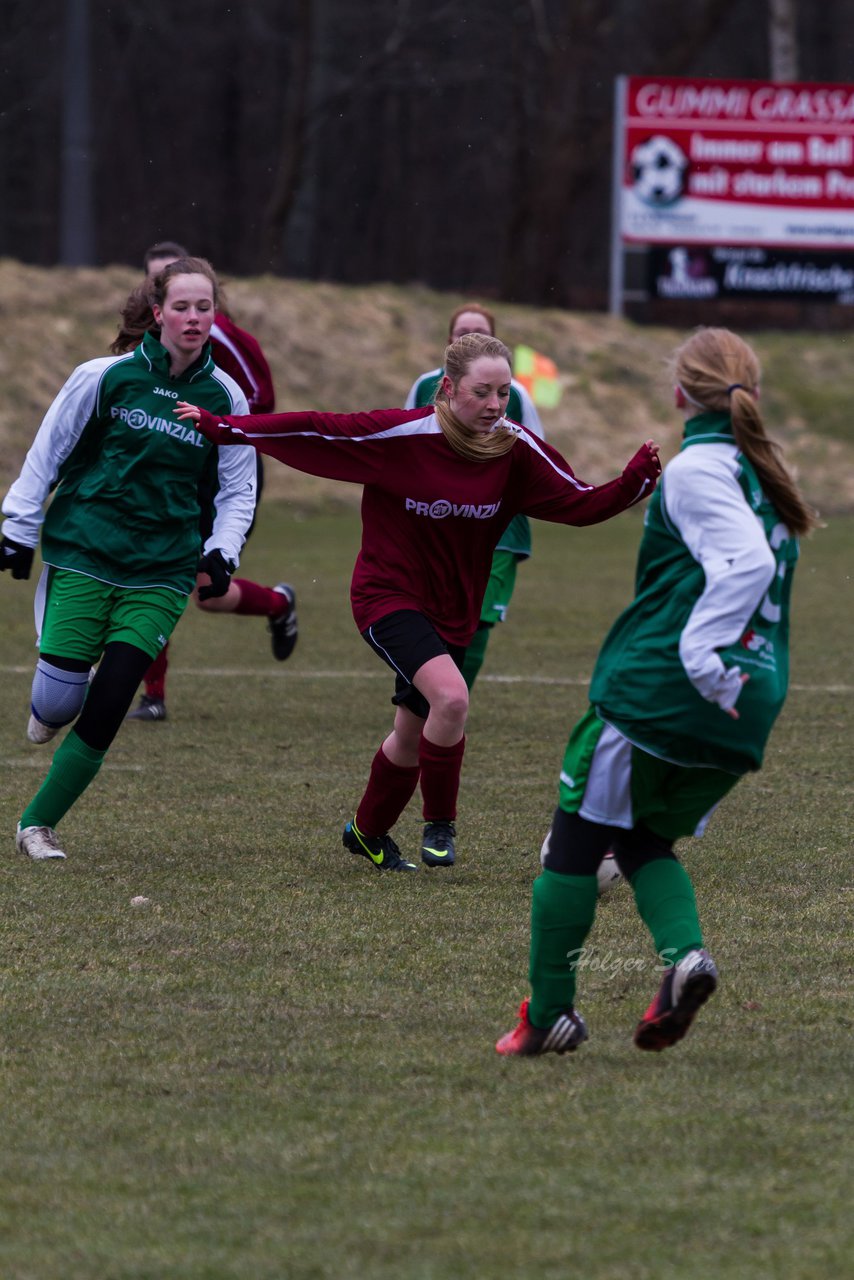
[[713, 586], [126, 473]]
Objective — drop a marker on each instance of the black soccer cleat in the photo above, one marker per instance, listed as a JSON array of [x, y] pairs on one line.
[[686, 986], [284, 627], [148, 709], [380, 850], [437, 845]]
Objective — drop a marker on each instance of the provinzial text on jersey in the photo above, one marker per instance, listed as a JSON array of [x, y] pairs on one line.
[[138, 418], [441, 508]]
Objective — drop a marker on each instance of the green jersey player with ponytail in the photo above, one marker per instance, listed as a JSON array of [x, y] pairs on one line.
[[685, 692]]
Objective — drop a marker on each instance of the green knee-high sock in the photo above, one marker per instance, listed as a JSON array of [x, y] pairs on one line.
[[73, 767], [475, 654], [665, 899], [562, 911]]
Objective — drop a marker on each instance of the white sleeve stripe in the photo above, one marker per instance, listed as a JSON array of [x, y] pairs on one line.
[[532, 443], [228, 384], [222, 338], [421, 426], [112, 360], [428, 425], [641, 491]]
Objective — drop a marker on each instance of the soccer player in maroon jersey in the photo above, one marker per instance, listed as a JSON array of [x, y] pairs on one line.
[[440, 485]]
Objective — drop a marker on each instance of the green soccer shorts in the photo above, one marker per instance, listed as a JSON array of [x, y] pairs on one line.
[[82, 616], [607, 780]]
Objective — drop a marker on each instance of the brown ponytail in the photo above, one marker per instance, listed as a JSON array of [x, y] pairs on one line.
[[137, 315]]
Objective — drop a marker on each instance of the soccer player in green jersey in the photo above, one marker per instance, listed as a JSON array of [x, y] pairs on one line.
[[686, 689], [120, 539], [239, 354]]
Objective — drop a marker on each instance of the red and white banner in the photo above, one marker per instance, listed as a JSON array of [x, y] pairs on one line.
[[736, 162]]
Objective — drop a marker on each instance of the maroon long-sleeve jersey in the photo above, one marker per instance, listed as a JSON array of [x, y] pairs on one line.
[[431, 518], [239, 354]]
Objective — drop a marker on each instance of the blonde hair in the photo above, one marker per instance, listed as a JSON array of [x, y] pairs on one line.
[[717, 370], [138, 314], [478, 446]]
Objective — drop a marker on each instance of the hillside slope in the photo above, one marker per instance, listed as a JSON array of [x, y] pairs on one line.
[[339, 348]]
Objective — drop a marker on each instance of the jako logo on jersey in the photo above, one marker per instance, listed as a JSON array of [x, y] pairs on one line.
[[138, 418], [441, 507], [161, 391]]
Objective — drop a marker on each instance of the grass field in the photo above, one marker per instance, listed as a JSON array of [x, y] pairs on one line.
[[283, 1064]]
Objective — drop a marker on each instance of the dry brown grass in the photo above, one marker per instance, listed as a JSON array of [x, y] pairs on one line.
[[338, 347]]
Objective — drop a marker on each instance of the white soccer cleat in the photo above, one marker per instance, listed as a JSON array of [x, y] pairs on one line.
[[38, 843], [39, 732]]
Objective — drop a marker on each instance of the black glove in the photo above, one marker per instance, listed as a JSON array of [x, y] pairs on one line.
[[219, 570], [17, 557]]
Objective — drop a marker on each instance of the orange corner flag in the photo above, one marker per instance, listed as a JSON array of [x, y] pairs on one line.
[[539, 376]]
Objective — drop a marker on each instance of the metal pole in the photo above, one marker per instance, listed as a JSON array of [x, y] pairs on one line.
[[619, 146], [77, 230]]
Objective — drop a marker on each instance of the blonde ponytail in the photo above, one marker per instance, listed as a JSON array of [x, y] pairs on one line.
[[718, 371], [477, 446]]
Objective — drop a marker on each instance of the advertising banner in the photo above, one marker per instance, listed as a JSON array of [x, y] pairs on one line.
[[736, 162], [703, 272]]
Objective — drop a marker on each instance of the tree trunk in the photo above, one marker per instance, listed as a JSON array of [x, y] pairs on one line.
[[783, 39], [292, 143]]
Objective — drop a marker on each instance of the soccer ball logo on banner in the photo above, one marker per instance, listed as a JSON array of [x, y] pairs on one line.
[[658, 168]]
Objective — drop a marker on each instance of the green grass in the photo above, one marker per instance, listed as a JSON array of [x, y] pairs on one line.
[[283, 1065], [800, 388]]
